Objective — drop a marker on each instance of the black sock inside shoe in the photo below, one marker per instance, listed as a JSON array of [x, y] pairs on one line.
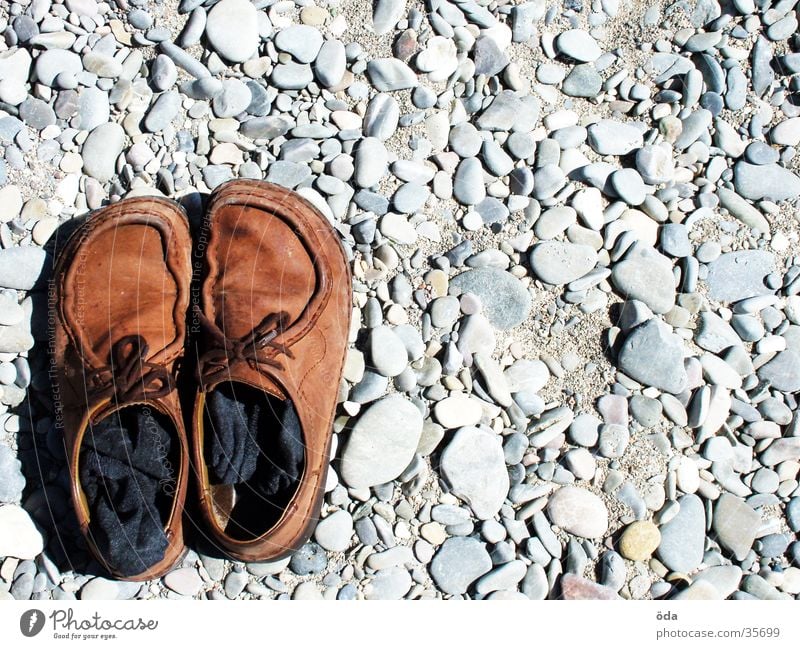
[[253, 442], [128, 472]]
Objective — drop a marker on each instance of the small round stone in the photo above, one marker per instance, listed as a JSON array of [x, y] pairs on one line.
[[308, 560], [639, 541]]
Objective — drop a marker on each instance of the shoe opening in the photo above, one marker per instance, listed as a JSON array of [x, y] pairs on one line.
[[129, 463], [253, 447]]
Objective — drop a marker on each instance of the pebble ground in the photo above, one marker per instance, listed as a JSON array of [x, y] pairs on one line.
[[573, 230]]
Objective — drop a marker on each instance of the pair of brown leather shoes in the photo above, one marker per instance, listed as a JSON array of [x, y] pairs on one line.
[[267, 333]]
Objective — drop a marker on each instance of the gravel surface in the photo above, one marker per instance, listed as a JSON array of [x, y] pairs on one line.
[[575, 360]]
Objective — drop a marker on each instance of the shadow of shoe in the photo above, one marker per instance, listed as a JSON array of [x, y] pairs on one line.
[[40, 446]]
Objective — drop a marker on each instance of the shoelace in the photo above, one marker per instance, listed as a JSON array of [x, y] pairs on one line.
[[252, 348], [129, 376]]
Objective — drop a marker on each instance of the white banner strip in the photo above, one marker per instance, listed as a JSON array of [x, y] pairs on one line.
[[160, 623]]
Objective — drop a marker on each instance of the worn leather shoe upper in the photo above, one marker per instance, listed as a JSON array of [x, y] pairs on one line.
[[271, 332], [121, 291]]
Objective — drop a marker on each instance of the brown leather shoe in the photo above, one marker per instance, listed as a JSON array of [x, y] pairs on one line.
[[122, 287], [272, 325]]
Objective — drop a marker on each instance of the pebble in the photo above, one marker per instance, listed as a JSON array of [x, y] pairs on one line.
[[488, 57], [53, 63], [163, 73], [652, 355], [292, 75], [574, 587], [771, 181], [303, 42], [629, 186], [609, 137], [578, 511], [235, 583], [19, 537], [100, 588], [163, 111], [468, 187], [556, 262], [93, 108], [386, 14], [502, 113], [184, 581], [639, 541], [371, 162], [12, 482], [21, 267], [234, 98], [460, 179], [582, 81], [308, 560], [646, 275], [439, 58], [331, 63], [393, 425], [388, 354], [458, 564], [232, 29], [736, 276], [579, 45], [547, 181], [783, 371], [381, 117], [655, 164], [334, 531], [390, 75], [473, 465], [458, 410], [506, 303], [388, 584], [683, 537]]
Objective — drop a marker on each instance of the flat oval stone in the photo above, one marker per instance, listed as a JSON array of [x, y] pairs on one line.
[[773, 182], [389, 75], [735, 276], [21, 267], [578, 511], [331, 63], [371, 162], [101, 150], [468, 187], [557, 262], [609, 137], [683, 536], [459, 563], [381, 117], [382, 443], [303, 42], [334, 531], [387, 352], [163, 111], [232, 29], [51, 63], [292, 75], [18, 535], [639, 540], [579, 45], [458, 410], [506, 302]]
